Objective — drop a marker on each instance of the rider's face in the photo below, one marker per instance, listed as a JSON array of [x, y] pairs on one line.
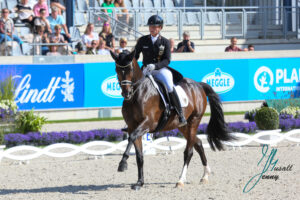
[[154, 30]]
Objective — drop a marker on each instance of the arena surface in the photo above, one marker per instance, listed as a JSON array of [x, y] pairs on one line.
[[81, 177]]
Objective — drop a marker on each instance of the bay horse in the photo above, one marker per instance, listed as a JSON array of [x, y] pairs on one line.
[[142, 109]]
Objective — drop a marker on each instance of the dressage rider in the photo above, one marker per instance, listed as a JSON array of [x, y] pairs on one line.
[[156, 58]]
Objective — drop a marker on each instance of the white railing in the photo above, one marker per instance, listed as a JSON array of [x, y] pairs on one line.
[[265, 137]]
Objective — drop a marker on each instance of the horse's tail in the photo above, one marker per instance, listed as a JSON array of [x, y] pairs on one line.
[[216, 129]]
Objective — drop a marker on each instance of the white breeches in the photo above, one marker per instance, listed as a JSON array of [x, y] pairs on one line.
[[165, 76]]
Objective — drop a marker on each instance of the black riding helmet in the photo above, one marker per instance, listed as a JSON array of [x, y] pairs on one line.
[[155, 20]]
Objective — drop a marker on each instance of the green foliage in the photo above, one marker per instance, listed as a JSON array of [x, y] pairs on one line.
[[290, 110], [279, 104], [267, 118], [7, 89], [27, 121]]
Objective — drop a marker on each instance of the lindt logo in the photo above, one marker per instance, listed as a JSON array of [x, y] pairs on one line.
[[26, 94]]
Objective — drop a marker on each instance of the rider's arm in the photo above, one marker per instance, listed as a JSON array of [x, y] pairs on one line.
[[165, 58], [138, 49]]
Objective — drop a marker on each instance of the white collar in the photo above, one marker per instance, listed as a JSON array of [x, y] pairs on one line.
[[154, 38]]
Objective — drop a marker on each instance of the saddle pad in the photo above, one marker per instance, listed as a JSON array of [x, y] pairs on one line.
[[184, 101]]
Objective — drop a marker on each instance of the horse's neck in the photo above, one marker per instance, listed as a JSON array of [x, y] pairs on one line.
[[137, 72]]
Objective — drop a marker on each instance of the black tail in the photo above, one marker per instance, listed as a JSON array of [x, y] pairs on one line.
[[216, 129]]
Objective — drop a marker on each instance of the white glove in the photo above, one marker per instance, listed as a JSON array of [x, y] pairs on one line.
[[148, 69]]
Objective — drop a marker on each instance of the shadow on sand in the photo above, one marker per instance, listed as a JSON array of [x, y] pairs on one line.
[[76, 189]]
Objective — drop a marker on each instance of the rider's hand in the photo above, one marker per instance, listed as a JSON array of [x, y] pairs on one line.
[[148, 69]]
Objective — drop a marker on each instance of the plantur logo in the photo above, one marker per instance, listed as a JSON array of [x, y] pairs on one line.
[[220, 81], [111, 87]]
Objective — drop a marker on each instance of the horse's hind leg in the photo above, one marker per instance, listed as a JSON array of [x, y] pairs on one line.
[[188, 133], [199, 148]]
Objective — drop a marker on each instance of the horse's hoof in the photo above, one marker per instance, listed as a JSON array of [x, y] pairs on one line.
[[137, 186], [179, 185], [122, 166], [204, 181]]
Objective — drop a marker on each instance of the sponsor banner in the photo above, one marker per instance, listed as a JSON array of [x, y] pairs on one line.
[[277, 78], [46, 86], [102, 88], [228, 78]]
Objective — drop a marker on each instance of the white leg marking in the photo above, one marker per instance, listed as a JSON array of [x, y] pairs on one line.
[[207, 172], [183, 174]]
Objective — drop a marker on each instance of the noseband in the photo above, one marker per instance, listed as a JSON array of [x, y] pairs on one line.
[[125, 82]]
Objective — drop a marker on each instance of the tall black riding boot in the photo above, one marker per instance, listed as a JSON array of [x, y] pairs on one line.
[[175, 102]]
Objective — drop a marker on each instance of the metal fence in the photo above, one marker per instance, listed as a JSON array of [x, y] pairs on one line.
[[213, 22]]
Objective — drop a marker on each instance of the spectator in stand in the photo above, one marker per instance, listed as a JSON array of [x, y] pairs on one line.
[[25, 13], [108, 4], [250, 47], [57, 37], [53, 50], [233, 46], [43, 21], [89, 36], [40, 5], [41, 37], [172, 45], [107, 36], [55, 19], [93, 49], [123, 44], [102, 50], [186, 45], [7, 25], [124, 17], [55, 3]]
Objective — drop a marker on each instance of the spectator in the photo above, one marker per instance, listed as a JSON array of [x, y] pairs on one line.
[[233, 46], [89, 36], [101, 48], [60, 7], [53, 51], [108, 4], [123, 17], [123, 44], [57, 37], [43, 21], [55, 19], [7, 25], [107, 36], [41, 5], [41, 37], [93, 49], [25, 13], [186, 45], [250, 47], [172, 45]]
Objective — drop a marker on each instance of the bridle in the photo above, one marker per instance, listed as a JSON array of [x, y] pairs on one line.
[[127, 82], [123, 67]]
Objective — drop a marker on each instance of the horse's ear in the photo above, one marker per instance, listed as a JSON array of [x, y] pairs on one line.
[[131, 55], [114, 55]]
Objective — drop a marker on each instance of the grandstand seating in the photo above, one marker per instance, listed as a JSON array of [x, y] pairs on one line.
[[191, 18]]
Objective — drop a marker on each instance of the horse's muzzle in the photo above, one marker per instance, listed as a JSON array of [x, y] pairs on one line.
[[127, 94]]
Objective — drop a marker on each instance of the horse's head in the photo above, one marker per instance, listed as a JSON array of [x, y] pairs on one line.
[[125, 72]]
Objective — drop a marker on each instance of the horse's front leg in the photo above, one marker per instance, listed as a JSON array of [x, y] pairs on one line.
[[140, 163], [123, 163]]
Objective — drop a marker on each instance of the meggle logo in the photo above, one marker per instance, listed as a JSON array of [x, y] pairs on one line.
[[111, 87], [220, 81]]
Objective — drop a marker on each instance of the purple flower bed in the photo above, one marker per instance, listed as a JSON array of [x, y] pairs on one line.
[[79, 137], [74, 137]]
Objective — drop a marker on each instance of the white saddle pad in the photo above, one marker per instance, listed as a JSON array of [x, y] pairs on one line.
[[184, 101]]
